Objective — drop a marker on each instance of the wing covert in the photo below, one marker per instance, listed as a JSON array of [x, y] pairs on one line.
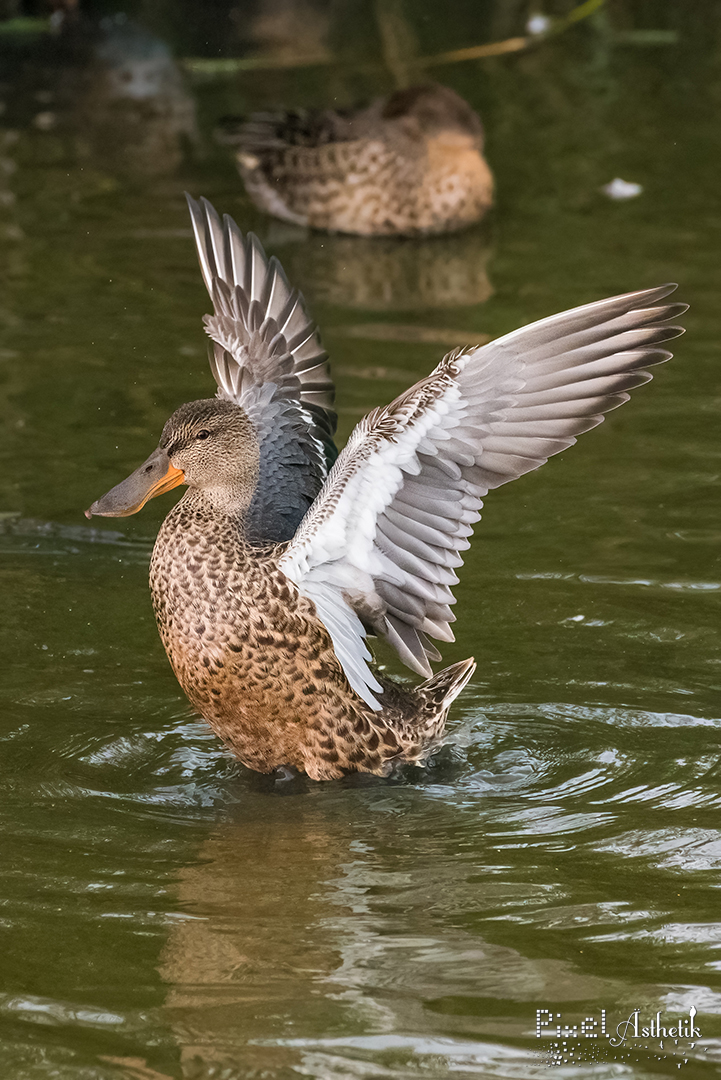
[[381, 543]]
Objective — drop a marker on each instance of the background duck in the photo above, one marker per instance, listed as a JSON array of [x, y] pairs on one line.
[[408, 164], [270, 571]]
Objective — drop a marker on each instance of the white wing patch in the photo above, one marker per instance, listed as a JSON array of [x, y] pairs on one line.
[[383, 539], [336, 558]]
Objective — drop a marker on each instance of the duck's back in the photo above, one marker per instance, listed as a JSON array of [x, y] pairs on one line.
[[406, 165]]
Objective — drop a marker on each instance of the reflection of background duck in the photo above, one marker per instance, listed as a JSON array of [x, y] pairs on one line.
[[383, 273], [406, 165]]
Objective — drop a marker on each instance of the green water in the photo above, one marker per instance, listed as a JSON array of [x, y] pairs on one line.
[[166, 913]]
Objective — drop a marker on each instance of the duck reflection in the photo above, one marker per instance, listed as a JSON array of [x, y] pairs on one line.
[[312, 942], [384, 273], [254, 949]]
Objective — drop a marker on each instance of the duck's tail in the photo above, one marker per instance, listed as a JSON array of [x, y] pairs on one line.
[[441, 690]]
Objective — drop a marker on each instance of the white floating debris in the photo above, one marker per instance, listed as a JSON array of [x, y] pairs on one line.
[[621, 189], [538, 24], [45, 121]]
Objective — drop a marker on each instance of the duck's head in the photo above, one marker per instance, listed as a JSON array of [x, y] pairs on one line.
[[209, 445], [432, 110]]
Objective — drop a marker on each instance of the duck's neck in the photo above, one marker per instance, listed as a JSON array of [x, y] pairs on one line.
[[226, 501], [214, 517], [198, 548]]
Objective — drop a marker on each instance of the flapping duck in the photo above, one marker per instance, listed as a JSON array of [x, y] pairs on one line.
[[272, 569]]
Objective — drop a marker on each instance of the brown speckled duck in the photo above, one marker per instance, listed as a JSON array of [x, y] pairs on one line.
[[272, 568], [406, 165]]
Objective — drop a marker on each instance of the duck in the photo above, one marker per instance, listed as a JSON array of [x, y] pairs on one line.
[[282, 556], [410, 164]]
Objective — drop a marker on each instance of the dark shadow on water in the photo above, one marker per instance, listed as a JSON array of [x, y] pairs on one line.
[[443, 768]]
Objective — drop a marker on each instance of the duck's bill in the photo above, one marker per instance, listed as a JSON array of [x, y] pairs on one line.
[[152, 478]]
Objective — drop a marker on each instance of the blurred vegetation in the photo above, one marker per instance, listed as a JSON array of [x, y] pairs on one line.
[[342, 51], [352, 30]]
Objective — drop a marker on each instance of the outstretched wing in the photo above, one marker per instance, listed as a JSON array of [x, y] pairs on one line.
[[383, 540], [267, 357]]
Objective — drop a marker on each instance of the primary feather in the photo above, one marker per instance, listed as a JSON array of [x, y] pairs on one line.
[[381, 543], [268, 639], [266, 356]]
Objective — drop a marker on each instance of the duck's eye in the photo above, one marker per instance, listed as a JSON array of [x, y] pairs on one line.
[[203, 434]]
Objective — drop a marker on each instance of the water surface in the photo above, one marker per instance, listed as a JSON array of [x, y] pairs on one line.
[[166, 913]]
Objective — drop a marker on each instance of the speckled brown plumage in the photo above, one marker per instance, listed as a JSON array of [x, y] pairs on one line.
[[272, 569], [255, 660], [410, 164]]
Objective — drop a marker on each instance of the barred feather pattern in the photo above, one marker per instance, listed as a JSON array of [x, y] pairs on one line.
[[405, 165], [267, 357], [382, 542], [371, 187]]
